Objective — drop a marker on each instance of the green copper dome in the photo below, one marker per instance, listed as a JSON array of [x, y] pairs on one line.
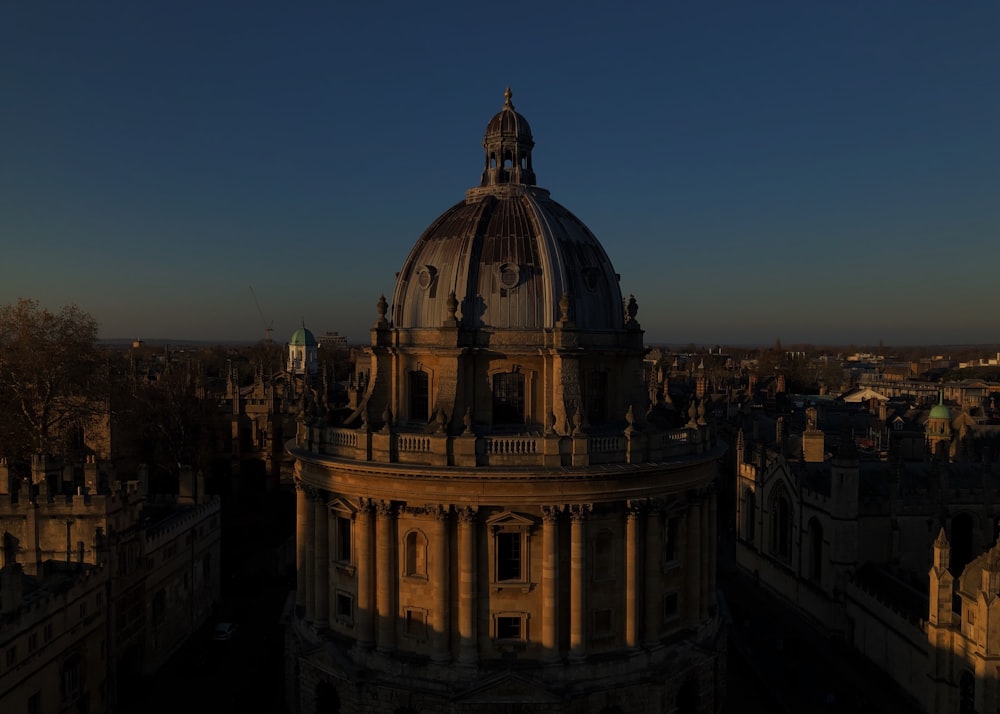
[[940, 411], [303, 336]]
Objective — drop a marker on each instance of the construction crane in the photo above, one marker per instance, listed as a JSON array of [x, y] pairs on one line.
[[267, 327]]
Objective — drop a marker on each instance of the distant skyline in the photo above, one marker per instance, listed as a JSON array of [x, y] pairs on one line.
[[823, 173]]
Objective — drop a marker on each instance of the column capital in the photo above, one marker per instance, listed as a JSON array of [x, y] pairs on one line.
[[384, 508], [467, 514], [550, 514], [365, 506], [578, 512], [440, 512]]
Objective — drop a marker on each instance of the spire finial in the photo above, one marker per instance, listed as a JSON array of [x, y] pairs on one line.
[[507, 104]]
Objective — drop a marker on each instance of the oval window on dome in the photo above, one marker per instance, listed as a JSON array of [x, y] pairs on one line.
[[510, 275], [425, 276]]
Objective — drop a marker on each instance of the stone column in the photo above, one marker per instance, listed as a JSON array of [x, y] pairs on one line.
[[631, 578], [577, 572], [301, 544], [385, 576], [467, 650], [550, 582], [705, 550], [365, 608], [439, 578], [310, 561], [692, 583], [654, 576], [321, 556]]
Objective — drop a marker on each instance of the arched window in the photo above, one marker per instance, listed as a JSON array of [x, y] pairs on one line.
[[967, 693], [415, 554], [815, 551], [419, 400], [508, 398], [595, 396], [781, 525], [749, 530]]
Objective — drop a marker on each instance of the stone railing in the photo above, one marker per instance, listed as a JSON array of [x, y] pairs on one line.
[[528, 450]]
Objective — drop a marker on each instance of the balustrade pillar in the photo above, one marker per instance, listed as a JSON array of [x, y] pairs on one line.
[[631, 578], [365, 607], [467, 650], [385, 577], [550, 582], [439, 578], [321, 552]]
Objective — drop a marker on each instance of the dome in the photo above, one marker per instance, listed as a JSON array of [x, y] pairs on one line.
[[303, 336], [505, 257], [940, 411]]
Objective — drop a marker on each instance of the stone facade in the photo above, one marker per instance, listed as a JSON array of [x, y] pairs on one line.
[[148, 571], [497, 524]]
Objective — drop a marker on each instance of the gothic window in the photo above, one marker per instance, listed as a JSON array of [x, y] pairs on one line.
[[415, 555], [508, 398], [70, 680], [604, 556], [967, 693], [781, 526], [595, 396], [749, 530], [419, 398], [815, 551]]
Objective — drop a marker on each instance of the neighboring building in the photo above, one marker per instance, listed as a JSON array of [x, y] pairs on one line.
[[303, 353], [503, 523], [332, 341], [850, 541], [53, 638], [157, 558]]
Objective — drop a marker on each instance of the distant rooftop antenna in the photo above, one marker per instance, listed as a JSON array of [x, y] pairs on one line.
[[267, 326]]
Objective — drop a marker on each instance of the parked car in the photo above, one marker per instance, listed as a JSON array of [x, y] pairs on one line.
[[224, 630]]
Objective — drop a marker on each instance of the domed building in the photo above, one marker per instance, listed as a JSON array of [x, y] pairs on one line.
[[303, 353], [498, 526]]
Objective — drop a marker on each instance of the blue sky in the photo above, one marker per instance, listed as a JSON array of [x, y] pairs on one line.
[[823, 172]]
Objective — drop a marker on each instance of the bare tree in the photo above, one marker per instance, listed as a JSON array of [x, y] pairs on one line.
[[51, 377]]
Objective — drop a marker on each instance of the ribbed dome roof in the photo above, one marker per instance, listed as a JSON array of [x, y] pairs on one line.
[[507, 121], [508, 252]]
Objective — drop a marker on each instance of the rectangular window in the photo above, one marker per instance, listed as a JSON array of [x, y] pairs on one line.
[[343, 539], [670, 541], [415, 623], [35, 703], [32, 642], [509, 627], [509, 556], [345, 608], [603, 623], [508, 398], [669, 606], [11, 656]]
